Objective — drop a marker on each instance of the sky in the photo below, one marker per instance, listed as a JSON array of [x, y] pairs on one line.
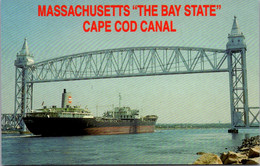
[[189, 98]]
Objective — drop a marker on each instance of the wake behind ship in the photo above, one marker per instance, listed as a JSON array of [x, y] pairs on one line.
[[73, 120]]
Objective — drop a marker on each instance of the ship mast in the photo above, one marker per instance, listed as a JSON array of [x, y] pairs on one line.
[[120, 98]]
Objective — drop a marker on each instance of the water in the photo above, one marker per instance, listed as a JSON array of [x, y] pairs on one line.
[[162, 147]]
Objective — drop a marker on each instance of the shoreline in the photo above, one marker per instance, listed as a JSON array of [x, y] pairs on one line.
[[248, 153], [188, 128], [156, 128]]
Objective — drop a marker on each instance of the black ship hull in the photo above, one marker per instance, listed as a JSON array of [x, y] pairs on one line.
[[87, 126]]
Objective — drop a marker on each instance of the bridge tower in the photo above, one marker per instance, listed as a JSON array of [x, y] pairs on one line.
[[236, 56], [23, 89]]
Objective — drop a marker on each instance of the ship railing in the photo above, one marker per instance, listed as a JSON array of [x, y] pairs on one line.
[[76, 114]]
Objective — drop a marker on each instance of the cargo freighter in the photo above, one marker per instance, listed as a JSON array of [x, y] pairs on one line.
[[73, 120]]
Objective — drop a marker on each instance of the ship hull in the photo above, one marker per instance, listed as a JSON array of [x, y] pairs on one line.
[[86, 126]]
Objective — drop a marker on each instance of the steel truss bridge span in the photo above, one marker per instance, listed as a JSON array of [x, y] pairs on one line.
[[129, 62]]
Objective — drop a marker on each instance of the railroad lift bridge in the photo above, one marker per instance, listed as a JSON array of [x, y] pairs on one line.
[[135, 62]]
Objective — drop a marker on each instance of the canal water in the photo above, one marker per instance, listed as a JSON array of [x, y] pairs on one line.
[[162, 147]]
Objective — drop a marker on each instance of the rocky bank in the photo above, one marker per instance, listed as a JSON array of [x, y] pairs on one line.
[[247, 153]]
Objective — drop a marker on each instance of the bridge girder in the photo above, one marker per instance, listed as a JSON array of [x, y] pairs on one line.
[[129, 62]]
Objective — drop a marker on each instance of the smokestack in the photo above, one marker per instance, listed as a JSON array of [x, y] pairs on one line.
[[66, 99]]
